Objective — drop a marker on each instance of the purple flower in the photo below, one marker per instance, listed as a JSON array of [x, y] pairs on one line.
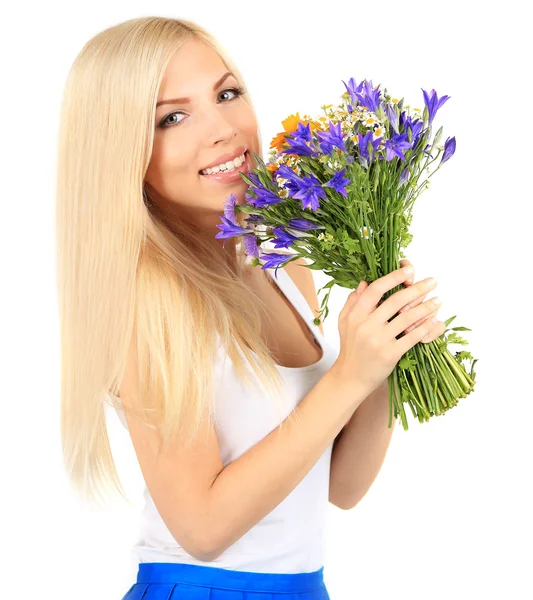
[[229, 208], [303, 133], [415, 125], [250, 245], [292, 179], [299, 146], [339, 182], [274, 260], [353, 89], [250, 199], [367, 146], [433, 103], [392, 116], [266, 197], [303, 224], [368, 96], [310, 190], [331, 139], [449, 150], [404, 176], [255, 218], [229, 229], [396, 145], [284, 239], [254, 178]]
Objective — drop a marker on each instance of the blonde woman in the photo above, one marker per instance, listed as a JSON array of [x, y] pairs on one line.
[[240, 412]]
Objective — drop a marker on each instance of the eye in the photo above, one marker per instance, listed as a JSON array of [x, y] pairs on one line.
[[236, 91], [164, 121], [164, 124]]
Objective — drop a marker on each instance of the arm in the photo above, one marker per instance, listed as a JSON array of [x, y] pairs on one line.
[[250, 487], [207, 506], [360, 448]]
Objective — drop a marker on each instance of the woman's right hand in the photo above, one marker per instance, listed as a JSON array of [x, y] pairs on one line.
[[369, 350]]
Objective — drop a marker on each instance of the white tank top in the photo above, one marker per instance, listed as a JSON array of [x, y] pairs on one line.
[[291, 538]]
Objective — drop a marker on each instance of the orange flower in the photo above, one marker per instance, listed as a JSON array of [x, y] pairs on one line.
[[290, 125]]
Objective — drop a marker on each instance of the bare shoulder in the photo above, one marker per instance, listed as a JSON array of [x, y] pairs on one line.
[[304, 280]]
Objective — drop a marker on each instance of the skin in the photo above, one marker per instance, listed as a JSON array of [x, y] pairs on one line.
[[195, 134], [215, 122], [435, 329]]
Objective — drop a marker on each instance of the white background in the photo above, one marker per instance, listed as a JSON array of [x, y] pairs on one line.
[[449, 515]]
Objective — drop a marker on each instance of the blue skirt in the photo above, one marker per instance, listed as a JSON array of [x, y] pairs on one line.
[[175, 581]]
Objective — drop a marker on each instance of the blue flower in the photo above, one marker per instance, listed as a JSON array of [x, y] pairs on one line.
[[284, 239], [367, 146], [331, 139], [353, 89], [303, 133], [303, 224], [292, 179], [229, 229], [433, 103], [392, 116], [396, 145], [255, 179], [404, 175], [274, 260], [250, 199], [250, 245], [255, 218], [339, 182], [449, 150], [310, 190], [368, 96], [415, 125], [299, 146], [229, 208], [266, 197]]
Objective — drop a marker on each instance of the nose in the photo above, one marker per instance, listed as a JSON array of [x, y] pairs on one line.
[[218, 127]]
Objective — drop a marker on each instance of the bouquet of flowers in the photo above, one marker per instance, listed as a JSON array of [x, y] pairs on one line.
[[339, 190]]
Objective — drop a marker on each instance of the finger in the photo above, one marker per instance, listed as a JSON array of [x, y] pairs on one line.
[[398, 300], [415, 317], [414, 302], [425, 333], [434, 326], [352, 299], [403, 263], [370, 296]]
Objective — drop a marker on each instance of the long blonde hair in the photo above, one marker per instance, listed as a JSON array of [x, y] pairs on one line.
[[124, 270]]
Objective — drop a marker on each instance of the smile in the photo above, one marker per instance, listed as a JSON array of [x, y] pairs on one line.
[[226, 167]]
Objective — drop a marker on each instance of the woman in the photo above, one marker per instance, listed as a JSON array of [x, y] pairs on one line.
[[168, 323]]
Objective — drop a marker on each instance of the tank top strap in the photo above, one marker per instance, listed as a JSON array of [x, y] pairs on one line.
[[284, 281]]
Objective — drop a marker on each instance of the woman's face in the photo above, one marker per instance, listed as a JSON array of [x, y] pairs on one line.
[[208, 125]]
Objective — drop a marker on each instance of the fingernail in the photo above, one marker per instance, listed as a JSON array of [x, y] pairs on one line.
[[434, 319], [406, 307], [408, 270]]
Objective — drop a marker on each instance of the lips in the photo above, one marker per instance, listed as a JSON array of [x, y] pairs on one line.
[[224, 158]]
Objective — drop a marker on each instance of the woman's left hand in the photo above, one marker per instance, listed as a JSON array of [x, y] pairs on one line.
[[436, 327]]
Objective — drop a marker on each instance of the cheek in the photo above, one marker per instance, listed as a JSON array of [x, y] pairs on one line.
[[247, 122], [171, 157]]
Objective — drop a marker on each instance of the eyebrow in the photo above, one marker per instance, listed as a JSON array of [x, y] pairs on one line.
[[187, 100]]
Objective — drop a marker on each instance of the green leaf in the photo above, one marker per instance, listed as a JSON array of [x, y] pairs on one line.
[[448, 321], [247, 179]]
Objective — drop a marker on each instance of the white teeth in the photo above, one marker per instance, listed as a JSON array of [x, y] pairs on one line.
[[225, 167]]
